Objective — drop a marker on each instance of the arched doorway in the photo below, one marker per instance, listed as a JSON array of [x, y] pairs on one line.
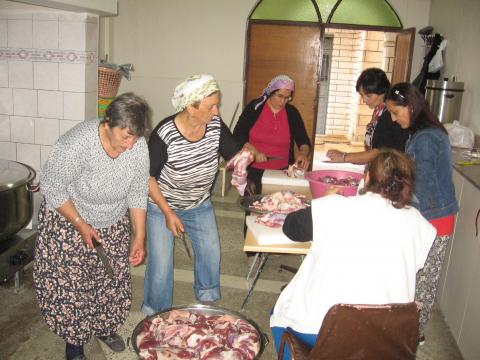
[[291, 37]]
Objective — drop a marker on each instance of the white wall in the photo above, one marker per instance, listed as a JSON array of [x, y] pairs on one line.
[[169, 40], [48, 78], [458, 21]]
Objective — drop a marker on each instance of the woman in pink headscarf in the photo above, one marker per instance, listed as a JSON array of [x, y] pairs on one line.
[[273, 126]]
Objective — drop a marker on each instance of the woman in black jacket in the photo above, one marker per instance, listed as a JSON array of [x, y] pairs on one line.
[[273, 127]]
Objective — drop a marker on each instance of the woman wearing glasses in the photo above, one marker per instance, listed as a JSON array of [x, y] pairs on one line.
[[373, 86], [429, 147], [273, 126]]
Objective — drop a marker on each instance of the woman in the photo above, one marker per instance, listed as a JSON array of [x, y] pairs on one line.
[[373, 86], [96, 175], [429, 147], [273, 126], [184, 151], [357, 264]]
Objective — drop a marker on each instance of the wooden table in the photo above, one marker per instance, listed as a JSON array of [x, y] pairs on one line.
[[261, 256]]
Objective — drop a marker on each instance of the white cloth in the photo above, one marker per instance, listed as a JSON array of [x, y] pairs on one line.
[[364, 251], [193, 89]]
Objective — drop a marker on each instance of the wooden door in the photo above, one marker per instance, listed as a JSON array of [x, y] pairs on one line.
[[403, 56], [293, 50]]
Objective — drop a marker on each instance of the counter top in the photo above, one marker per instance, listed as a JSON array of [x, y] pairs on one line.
[[471, 173]]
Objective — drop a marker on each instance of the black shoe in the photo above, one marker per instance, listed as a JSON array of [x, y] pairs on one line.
[[80, 357], [421, 340], [114, 342]]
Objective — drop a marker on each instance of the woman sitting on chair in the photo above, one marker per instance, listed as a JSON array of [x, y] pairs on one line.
[[366, 249]]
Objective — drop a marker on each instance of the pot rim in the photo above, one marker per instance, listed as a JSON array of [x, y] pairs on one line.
[[13, 185]]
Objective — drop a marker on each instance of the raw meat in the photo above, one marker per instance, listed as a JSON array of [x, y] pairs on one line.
[[332, 180], [239, 163], [294, 171], [273, 220], [190, 334], [282, 202]]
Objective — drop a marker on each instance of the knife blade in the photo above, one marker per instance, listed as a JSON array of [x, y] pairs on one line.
[[274, 158], [103, 257], [182, 237]]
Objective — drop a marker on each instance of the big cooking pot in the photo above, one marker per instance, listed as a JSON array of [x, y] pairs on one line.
[[206, 310], [16, 205]]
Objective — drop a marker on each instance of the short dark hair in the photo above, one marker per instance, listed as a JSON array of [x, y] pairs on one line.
[[407, 95], [129, 111], [373, 81], [392, 175]]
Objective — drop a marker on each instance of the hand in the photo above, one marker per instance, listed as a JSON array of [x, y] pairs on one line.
[[335, 155], [302, 161], [137, 252], [174, 224], [260, 157], [87, 232]]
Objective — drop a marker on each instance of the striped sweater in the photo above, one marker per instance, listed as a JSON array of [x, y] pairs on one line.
[[184, 169]]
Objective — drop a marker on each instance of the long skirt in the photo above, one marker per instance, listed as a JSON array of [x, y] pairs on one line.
[[76, 296], [428, 278]]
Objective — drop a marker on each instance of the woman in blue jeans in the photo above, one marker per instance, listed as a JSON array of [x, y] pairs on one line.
[[184, 150], [429, 147]]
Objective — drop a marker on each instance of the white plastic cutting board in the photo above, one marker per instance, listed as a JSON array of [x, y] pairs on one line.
[[266, 235], [278, 177]]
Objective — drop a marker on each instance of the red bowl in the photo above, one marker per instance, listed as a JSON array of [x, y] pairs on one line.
[[318, 187]]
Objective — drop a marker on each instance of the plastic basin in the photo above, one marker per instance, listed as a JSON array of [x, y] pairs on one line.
[[318, 188]]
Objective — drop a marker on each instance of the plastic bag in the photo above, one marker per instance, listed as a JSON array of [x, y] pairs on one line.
[[460, 136]]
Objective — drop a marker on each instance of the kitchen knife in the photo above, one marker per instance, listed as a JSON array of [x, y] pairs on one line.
[[103, 257], [274, 158], [182, 237]]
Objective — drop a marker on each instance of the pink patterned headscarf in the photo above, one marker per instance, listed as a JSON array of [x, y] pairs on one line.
[[277, 83]]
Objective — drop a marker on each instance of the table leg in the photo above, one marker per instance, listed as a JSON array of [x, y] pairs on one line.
[[263, 260], [253, 265]]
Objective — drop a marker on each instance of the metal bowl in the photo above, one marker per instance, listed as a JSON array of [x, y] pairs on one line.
[[207, 310]]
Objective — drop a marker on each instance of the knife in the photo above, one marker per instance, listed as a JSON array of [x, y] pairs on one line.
[[274, 158], [103, 257], [182, 237]]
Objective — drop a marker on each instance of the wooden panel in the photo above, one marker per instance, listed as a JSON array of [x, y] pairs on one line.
[[403, 56], [293, 50]]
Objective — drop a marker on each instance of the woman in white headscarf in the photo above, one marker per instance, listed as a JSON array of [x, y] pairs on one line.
[[184, 150], [273, 127]]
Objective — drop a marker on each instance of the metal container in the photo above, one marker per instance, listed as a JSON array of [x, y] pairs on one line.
[[445, 99], [207, 310], [16, 204]]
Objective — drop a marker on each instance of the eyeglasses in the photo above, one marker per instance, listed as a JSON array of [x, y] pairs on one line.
[[283, 97]]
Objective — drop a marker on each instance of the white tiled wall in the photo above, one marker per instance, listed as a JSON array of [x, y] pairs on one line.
[[48, 80]]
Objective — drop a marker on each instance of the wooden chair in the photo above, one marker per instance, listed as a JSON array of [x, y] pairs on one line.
[[361, 332]]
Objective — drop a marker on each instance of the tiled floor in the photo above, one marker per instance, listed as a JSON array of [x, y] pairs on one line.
[[24, 336]]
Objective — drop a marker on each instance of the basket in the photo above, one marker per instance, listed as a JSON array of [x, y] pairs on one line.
[[318, 187], [108, 82]]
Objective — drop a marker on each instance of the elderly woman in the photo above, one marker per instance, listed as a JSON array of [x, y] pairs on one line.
[[373, 86], [429, 147], [184, 152], [95, 175], [350, 262], [273, 127]]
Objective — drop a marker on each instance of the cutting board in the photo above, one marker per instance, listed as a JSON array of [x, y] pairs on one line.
[[278, 177], [266, 235]]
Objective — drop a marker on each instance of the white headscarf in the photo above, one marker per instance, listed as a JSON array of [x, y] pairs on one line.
[[193, 89]]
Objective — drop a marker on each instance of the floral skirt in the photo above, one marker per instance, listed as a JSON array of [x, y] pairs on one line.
[[76, 296]]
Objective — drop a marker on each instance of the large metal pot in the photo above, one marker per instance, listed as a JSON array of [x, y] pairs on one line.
[[207, 310], [16, 205]]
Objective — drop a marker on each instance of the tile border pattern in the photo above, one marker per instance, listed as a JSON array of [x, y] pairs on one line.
[[47, 55]]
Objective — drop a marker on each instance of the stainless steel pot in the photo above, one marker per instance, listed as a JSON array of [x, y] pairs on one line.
[[16, 205], [207, 310]]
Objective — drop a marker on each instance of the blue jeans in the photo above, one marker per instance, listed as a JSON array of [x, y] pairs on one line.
[[201, 227]]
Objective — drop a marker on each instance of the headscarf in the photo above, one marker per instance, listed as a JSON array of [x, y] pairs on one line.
[[193, 89], [277, 83]]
